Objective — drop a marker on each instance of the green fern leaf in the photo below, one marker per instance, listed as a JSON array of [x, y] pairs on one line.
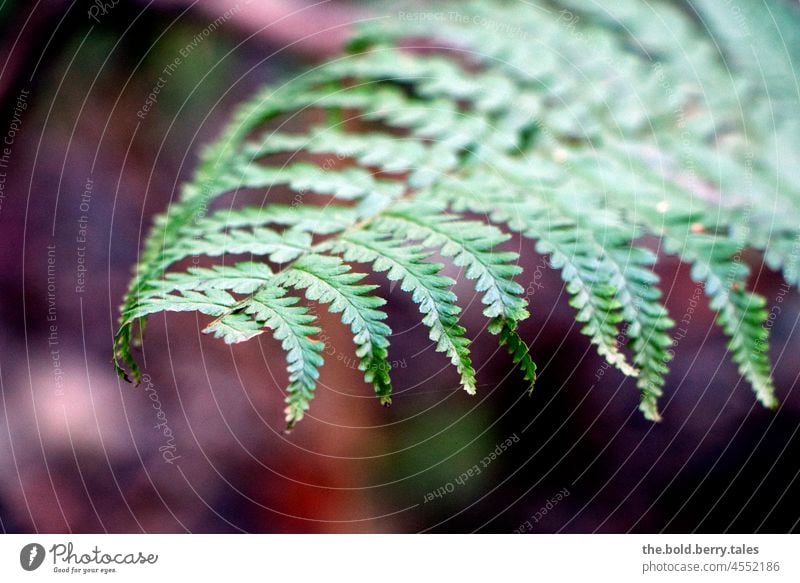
[[329, 280], [589, 161], [293, 327], [471, 244], [430, 291]]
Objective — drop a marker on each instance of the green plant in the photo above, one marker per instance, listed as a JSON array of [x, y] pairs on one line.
[[583, 130]]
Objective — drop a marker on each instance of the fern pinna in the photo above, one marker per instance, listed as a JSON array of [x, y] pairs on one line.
[[583, 129]]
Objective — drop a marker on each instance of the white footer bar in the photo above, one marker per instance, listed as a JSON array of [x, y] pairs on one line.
[[390, 558]]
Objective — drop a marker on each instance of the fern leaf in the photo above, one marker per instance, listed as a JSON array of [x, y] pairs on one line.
[[329, 280], [482, 123], [430, 291], [292, 326], [212, 302], [741, 315], [471, 244], [241, 278], [386, 152], [307, 219], [586, 278], [519, 351], [278, 247], [347, 184]]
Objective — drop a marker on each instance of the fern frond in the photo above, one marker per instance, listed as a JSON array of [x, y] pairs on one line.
[[471, 244], [241, 278], [212, 302], [430, 290], [292, 326], [386, 152], [422, 147], [714, 263], [741, 315], [347, 184], [627, 268], [588, 280], [519, 351], [329, 280], [278, 247]]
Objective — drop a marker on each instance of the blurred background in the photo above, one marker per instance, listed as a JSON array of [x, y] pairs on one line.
[[199, 446]]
